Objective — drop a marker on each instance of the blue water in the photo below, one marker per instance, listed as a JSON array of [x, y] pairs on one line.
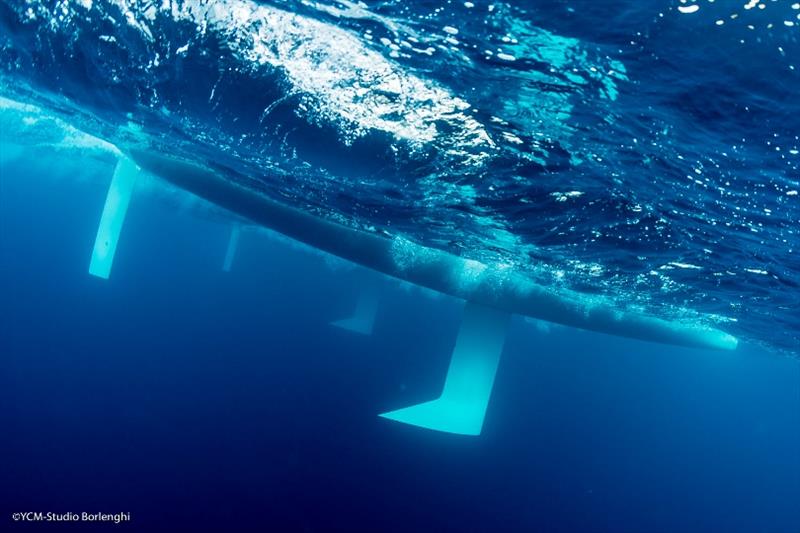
[[199, 401], [647, 153]]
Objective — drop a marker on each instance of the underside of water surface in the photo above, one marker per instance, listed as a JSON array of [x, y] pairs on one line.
[[646, 153]]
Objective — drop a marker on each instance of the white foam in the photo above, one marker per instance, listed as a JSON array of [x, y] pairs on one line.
[[347, 81], [692, 8], [29, 125]]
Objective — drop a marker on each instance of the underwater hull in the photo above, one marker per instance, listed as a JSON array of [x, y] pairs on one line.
[[495, 287]]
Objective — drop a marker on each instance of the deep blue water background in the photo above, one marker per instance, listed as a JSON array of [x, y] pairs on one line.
[[204, 401]]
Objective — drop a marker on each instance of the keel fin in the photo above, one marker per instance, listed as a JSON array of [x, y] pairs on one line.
[[113, 217], [462, 405], [363, 319], [233, 244]]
